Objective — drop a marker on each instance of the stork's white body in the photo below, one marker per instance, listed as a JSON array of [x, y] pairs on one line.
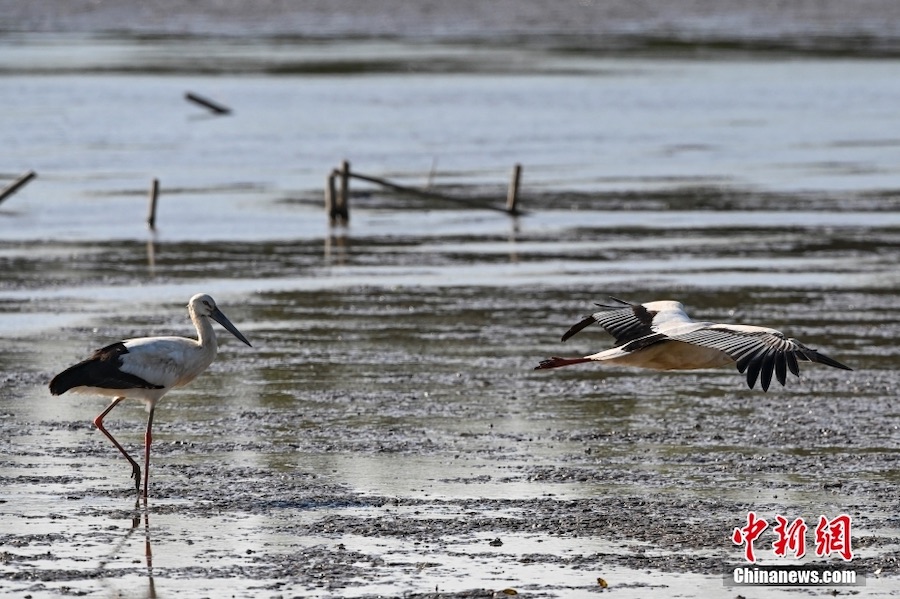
[[169, 362], [672, 355], [661, 336]]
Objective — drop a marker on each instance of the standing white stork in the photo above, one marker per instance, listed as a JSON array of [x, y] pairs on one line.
[[661, 336], [146, 369]]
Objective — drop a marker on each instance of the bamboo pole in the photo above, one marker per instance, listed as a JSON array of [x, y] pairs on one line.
[[512, 195], [17, 185], [151, 213], [207, 103]]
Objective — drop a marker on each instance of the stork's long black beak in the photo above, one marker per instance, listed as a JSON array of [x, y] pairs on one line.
[[219, 317]]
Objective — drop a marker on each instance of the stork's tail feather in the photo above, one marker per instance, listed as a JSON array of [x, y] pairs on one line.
[[556, 362]]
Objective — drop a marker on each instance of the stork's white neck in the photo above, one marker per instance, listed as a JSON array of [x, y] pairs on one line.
[[206, 336]]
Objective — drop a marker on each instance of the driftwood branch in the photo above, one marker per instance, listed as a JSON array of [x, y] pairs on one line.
[[17, 185], [207, 103], [425, 193]]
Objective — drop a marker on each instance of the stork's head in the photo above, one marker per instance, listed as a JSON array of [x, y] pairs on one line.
[[202, 305]]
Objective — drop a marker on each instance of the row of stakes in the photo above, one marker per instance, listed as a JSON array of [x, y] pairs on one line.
[[337, 193], [337, 188]]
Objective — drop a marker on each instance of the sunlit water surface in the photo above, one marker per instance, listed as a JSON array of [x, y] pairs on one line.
[[390, 386]]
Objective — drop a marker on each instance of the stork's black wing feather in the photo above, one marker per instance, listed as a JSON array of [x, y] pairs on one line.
[[624, 321], [758, 351], [101, 370]]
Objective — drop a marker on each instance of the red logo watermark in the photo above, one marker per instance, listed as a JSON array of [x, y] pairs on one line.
[[831, 537]]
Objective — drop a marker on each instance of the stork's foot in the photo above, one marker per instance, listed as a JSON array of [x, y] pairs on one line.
[[556, 362]]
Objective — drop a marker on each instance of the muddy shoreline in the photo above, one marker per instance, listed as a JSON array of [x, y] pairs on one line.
[[383, 471]]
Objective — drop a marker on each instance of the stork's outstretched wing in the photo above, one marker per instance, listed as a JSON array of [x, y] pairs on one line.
[[758, 351]]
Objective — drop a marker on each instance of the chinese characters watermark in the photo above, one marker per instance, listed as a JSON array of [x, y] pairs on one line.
[[832, 537]]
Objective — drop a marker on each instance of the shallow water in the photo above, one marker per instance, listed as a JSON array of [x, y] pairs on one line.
[[818, 126], [387, 428]]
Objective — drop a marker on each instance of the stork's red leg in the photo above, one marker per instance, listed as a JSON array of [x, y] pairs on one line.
[[98, 422], [556, 362], [148, 439]]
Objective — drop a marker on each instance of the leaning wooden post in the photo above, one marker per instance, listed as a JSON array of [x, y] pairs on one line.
[[343, 206], [151, 214], [512, 194], [16, 185]]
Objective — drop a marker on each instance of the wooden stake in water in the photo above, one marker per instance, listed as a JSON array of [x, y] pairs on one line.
[[512, 195], [17, 185], [343, 204], [151, 215], [331, 197], [207, 103]]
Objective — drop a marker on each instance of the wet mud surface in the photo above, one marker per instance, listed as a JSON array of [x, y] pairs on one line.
[[395, 441]]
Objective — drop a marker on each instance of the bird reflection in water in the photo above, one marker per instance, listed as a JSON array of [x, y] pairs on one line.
[[141, 514]]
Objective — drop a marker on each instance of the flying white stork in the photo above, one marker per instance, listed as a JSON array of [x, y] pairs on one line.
[[146, 369], [661, 336]]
